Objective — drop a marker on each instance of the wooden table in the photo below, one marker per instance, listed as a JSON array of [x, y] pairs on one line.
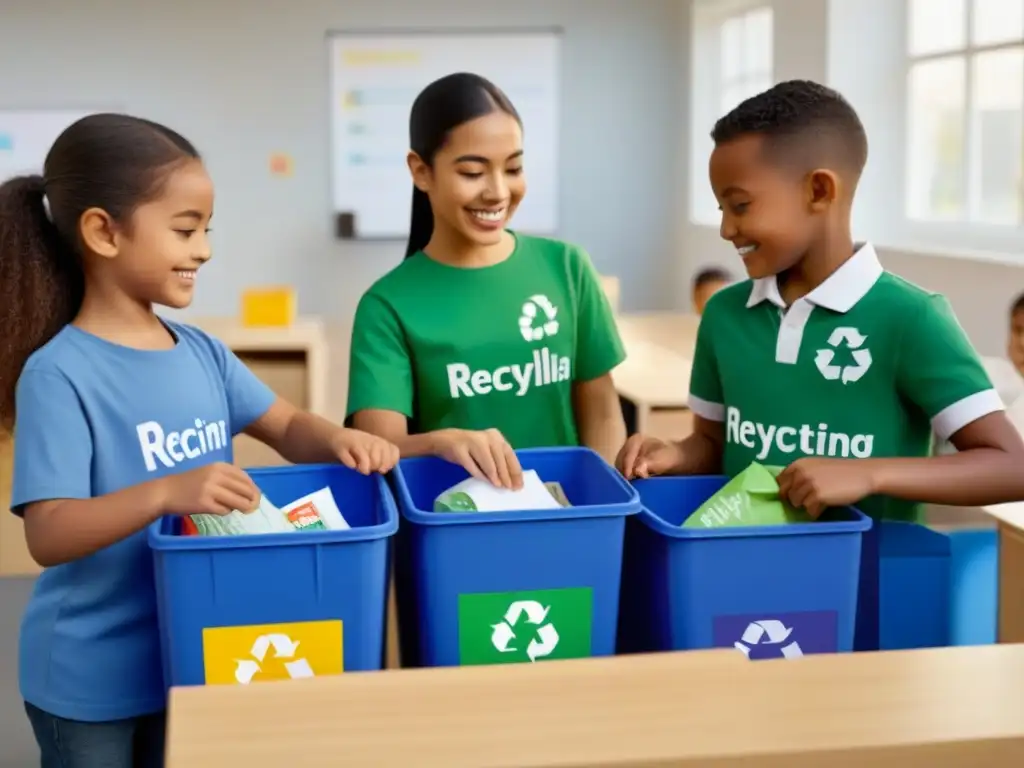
[[291, 360], [655, 380], [934, 708], [14, 557], [1010, 519], [675, 331], [655, 377]]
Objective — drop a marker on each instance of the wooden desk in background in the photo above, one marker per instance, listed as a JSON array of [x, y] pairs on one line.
[[934, 708], [675, 331], [14, 557], [292, 361], [655, 377], [1010, 519], [657, 382]]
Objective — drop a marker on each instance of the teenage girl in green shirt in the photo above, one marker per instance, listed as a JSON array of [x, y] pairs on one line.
[[483, 340]]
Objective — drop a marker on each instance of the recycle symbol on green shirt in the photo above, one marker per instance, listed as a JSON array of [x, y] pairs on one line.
[[854, 341], [504, 635], [538, 308]]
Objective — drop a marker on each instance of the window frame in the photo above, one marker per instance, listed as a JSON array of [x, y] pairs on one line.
[[967, 229], [745, 79], [707, 86]]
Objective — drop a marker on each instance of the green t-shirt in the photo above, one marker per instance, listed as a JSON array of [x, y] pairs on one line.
[[494, 347], [866, 365]]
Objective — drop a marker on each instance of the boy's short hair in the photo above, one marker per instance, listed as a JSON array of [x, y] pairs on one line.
[[1018, 305], [802, 122], [711, 275]]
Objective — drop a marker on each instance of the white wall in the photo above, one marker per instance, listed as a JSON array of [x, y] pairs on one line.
[[857, 47], [245, 79]]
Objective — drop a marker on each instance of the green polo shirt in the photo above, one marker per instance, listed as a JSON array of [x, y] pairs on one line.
[[866, 365], [498, 346]]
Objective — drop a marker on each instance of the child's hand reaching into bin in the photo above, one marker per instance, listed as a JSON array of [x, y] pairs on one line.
[[216, 489], [364, 452], [643, 457], [485, 454], [816, 484]]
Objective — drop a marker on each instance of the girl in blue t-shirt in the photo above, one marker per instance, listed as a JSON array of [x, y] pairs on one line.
[[120, 417]]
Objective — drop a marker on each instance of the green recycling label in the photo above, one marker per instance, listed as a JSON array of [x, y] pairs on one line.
[[510, 627]]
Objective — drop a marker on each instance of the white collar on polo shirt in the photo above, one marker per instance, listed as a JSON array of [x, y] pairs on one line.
[[841, 290]]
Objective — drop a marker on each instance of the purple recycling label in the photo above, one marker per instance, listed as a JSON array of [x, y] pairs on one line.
[[778, 635]]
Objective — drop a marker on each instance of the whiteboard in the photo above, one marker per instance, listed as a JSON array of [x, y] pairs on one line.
[[26, 137], [375, 77]]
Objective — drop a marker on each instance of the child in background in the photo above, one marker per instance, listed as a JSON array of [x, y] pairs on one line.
[[1015, 344], [120, 417], [824, 362], [706, 284]]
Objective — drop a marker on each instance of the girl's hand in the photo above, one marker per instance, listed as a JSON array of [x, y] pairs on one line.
[[216, 489], [484, 454], [364, 452], [816, 484]]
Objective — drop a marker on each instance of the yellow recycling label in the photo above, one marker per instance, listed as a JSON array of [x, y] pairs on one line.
[[262, 652]]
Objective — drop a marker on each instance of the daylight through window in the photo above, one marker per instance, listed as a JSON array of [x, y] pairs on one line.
[[965, 106]]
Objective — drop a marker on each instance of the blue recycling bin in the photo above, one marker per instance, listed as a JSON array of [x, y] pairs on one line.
[[769, 591], [905, 588], [974, 579], [240, 609], [922, 588], [515, 586]]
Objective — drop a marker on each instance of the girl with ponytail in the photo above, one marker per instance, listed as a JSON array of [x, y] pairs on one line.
[[119, 417]]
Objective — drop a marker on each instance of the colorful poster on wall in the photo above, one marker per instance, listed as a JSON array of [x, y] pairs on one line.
[[281, 165], [375, 78]]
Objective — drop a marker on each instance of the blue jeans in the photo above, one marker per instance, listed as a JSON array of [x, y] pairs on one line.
[[137, 742]]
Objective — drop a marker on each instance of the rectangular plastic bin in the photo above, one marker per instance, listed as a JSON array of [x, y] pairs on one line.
[[769, 591], [974, 599], [240, 609], [935, 586], [905, 588], [519, 586]]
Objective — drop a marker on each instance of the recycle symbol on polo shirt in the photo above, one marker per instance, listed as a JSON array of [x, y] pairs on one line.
[[284, 648], [853, 340], [768, 632], [537, 320], [533, 615]]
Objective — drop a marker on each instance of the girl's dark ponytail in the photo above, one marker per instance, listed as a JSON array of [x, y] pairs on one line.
[[422, 226], [41, 282], [108, 161]]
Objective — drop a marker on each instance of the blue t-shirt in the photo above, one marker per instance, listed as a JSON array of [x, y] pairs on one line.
[[93, 418]]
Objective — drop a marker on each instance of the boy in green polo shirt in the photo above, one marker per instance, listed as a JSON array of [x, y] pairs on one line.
[[824, 362]]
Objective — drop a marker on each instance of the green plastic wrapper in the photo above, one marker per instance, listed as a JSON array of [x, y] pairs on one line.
[[749, 499]]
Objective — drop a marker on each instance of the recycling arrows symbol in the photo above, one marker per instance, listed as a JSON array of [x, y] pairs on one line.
[[536, 305], [768, 632], [284, 648], [503, 633], [854, 340]]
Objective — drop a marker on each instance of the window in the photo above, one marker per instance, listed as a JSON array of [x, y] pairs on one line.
[[965, 112], [731, 59], [745, 46]]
